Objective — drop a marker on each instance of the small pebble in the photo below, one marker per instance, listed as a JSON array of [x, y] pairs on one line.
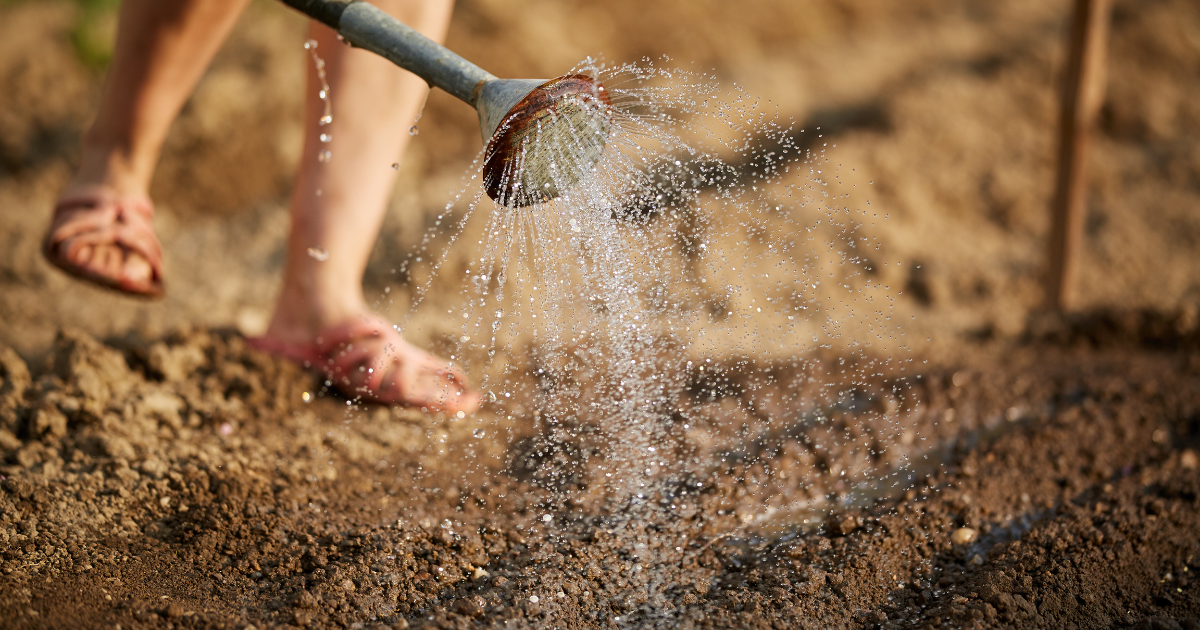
[[842, 524], [479, 574], [964, 536]]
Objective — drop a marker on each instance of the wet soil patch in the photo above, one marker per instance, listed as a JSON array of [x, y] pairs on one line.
[[185, 483]]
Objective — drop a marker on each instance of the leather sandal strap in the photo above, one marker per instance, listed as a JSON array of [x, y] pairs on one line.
[[352, 347], [102, 218]]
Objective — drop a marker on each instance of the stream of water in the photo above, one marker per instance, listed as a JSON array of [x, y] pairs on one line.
[[677, 301]]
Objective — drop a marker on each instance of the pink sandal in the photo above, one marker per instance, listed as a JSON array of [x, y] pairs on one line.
[[82, 223], [366, 358]]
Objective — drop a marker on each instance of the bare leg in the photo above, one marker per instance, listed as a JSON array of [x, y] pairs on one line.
[[338, 205], [163, 47]]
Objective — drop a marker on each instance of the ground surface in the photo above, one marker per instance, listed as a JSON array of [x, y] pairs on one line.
[[196, 489], [156, 473]]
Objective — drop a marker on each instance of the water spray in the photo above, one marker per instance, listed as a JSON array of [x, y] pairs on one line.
[[542, 136]]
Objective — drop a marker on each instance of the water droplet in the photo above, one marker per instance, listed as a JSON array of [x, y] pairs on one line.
[[325, 137], [642, 283], [318, 254], [324, 156], [412, 131], [546, 518], [306, 397], [323, 93], [395, 166]]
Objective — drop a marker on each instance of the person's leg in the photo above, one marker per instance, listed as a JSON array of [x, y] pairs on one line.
[[162, 49], [337, 205]]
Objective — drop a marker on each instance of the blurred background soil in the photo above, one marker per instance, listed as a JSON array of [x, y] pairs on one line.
[[166, 476], [945, 111]]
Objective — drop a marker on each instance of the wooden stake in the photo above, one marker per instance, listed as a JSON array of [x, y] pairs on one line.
[[1083, 94]]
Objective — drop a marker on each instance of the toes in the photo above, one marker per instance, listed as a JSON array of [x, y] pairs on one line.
[[403, 374], [437, 385], [454, 373], [464, 400], [114, 261], [457, 397], [137, 269], [107, 260], [92, 259], [78, 255]]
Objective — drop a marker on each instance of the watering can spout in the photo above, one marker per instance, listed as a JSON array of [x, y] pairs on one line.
[[542, 137], [547, 139], [496, 98]]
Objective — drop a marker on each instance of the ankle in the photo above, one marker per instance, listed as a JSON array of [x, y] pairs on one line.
[[303, 310], [112, 166]]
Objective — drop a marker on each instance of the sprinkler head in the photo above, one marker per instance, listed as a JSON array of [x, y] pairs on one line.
[[542, 137]]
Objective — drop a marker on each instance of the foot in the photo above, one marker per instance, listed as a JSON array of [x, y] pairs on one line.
[[108, 239], [366, 358]]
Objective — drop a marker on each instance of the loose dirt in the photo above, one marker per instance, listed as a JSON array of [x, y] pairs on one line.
[[1018, 471], [187, 483]]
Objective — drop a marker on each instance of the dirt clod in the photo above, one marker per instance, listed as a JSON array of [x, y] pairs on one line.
[[964, 536]]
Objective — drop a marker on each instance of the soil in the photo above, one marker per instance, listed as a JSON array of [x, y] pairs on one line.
[[185, 483], [1018, 470]]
